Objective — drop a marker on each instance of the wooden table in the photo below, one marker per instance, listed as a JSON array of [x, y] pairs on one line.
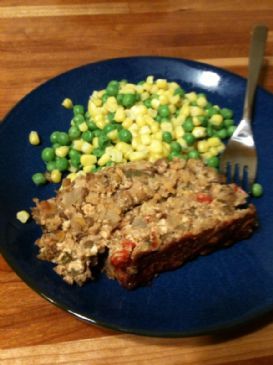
[[38, 40]]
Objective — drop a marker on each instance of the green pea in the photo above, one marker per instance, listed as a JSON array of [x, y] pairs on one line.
[[179, 91], [87, 136], [189, 138], [78, 109], [104, 98], [194, 154], [56, 145], [173, 154], [141, 82], [209, 105], [72, 153], [75, 160], [228, 122], [78, 119], [97, 132], [63, 139], [193, 103], [138, 97], [175, 147], [230, 130], [103, 140], [109, 127], [176, 113], [74, 132], [119, 98], [211, 111], [91, 125], [112, 88], [226, 113], [222, 133], [125, 135], [54, 137], [167, 137], [50, 166], [213, 162], [147, 103], [109, 163], [163, 111], [203, 120], [87, 115], [61, 163], [48, 154], [257, 190], [188, 125], [98, 152], [111, 116], [39, 178], [210, 131], [158, 118], [95, 169], [128, 100]]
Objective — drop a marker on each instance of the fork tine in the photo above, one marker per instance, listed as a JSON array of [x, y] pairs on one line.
[[251, 175]]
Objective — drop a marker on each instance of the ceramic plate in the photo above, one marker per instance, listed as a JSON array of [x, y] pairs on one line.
[[224, 289]]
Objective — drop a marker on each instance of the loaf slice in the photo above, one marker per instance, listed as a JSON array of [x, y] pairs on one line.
[[146, 218]]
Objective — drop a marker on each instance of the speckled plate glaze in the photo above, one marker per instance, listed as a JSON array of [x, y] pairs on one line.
[[219, 291]]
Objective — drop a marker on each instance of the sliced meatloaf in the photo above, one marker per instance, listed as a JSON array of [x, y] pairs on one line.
[[144, 217]]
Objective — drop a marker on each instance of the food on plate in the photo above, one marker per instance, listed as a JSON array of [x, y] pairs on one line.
[[125, 122], [139, 219]]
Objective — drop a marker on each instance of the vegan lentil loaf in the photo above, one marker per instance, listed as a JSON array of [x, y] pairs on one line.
[[143, 217]]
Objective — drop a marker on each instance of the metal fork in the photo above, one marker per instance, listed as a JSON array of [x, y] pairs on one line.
[[239, 159]]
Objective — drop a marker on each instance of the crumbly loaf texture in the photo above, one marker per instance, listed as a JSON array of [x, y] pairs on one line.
[[145, 217]]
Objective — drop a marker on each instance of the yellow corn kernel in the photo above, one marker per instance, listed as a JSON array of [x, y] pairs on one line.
[[179, 132], [140, 122], [155, 157], [113, 135], [195, 111], [148, 119], [95, 141], [135, 142], [34, 138], [77, 144], [141, 148], [145, 130], [88, 160], [221, 148], [56, 176], [214, 141], [216, 119], [166, 127], [111, 104], [174, 100], [144, 95], [177, 121], [88, 169], [123, 147], [156, 146], [199, 132], [67, 103], [202, 146], [100, 93], [22, 216], [137, 155], [154, 127], [206, 155], [147, 87], [145, 139], [191, 96], [154, 89], [173, 85], [127, 123], [182, 142], [163, 99], [166, 148], [97, 102], [72, 169], [120, 115], [196, 121], [86, 147], [92, 109], [155, 103], [62, 151], [116, 156], [185, 110], [162, 84], [72, 176], [201, 101], [157, 136], [83, 127], [150, 80], [104, 159], [213, 151]]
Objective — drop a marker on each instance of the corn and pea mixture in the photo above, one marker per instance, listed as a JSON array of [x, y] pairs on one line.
[[132, 122]]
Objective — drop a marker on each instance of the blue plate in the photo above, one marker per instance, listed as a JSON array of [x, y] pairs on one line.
[[215, 292]]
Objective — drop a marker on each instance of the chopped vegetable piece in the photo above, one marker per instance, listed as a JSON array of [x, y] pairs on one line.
[[23, 216]]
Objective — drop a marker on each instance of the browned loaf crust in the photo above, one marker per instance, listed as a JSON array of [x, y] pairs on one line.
[[147, 218]]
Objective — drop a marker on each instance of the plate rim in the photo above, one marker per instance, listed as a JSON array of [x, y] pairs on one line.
[[245, 319]]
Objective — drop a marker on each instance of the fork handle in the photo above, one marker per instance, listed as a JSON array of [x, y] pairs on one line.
[[256, 55]]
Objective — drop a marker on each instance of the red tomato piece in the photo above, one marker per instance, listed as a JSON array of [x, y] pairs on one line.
[[120, 258], [204, 198]]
